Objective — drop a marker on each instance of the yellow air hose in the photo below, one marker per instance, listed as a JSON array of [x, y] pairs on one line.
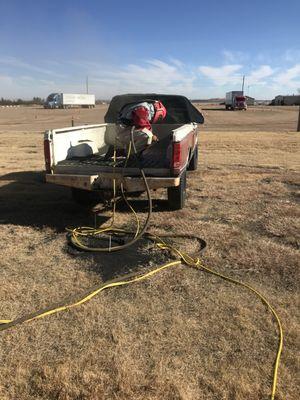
[[90, 232], [182, 258]]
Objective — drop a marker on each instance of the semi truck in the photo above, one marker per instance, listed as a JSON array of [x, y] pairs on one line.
[[235, 100], [68, 100], [75, 156]]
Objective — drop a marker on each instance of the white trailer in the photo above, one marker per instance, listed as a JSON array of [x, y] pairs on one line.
[[235, 100], [68, 100]]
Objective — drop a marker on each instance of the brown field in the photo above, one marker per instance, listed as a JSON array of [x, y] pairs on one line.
[[183, 334]]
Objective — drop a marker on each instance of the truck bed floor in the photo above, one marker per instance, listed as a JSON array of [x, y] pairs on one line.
[[153, 157]]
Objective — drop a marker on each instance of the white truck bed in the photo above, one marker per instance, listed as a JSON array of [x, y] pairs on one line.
[[80, 150], [77, 157]]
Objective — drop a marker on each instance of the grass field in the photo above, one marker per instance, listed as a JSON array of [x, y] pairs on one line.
[[183, 334]]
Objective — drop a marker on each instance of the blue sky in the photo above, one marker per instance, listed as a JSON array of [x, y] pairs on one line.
[[197, 48]]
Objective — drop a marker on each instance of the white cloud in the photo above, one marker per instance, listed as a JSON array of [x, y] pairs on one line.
[[17, 63], [291, 55], [289, 78], [176, 62], [24, 87], [222, 75], [152, 76], [231, 57], [6, 80], [259, 75]]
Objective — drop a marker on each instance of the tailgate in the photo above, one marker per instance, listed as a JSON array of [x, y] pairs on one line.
[[105, 181], [79, 141]]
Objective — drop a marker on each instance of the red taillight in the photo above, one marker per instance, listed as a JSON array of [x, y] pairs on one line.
[[176, 156], [47, 155]]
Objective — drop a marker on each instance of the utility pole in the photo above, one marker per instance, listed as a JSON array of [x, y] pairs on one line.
[[243, 84], [87, 84], [298, 128]]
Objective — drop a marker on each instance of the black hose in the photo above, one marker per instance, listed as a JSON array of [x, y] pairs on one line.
[[118, 231]]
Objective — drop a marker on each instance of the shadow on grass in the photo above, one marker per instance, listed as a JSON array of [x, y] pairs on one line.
[[140, 256], [26, 200]]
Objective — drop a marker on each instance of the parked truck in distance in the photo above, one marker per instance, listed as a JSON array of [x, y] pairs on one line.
[[68, 100], [235, 100]]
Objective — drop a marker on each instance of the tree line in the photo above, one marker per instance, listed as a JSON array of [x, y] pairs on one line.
[[19, 102]]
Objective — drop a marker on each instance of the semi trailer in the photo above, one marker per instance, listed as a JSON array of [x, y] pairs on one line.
[[235, 100], [68, 100]]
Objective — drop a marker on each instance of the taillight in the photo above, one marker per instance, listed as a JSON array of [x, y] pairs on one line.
[[47, 155], [176, 155]]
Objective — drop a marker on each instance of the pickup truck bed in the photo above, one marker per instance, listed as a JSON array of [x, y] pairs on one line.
[[81, 150], [75, 156], [155, 157]]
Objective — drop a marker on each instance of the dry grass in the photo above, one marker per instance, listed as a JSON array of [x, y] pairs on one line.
[[183, 334]]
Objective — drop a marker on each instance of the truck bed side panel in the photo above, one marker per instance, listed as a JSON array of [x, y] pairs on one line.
[[79, 142]]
